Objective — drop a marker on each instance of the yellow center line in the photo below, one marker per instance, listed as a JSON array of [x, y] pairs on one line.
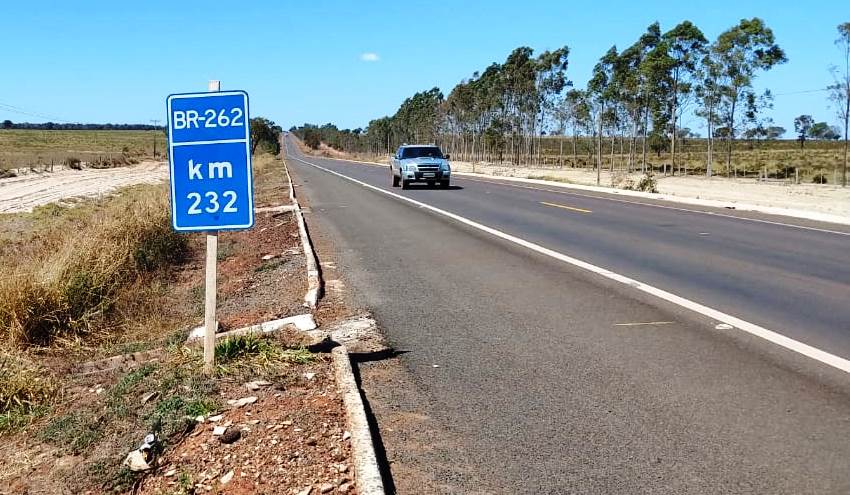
[[556, 205]]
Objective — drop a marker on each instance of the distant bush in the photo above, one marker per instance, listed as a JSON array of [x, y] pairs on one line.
[[312, 138], [819, 179], [6, 174], [265, 134], [73, 162]]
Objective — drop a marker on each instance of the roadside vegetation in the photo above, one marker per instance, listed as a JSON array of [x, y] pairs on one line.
[[102, 277], [47, 149], [526, 111]]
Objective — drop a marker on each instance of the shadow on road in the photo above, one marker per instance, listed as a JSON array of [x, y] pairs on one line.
[[415, 187], [380, 450]]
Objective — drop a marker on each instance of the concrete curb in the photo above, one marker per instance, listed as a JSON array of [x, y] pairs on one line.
[[713, 203], [366, 469], [302, 323], [116, 362], [314, 279]]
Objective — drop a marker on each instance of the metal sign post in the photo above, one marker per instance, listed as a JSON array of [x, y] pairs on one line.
[[209, 153]]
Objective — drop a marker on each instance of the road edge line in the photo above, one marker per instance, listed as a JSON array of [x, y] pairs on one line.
[[750, 328], [368, 475], [314, 276]]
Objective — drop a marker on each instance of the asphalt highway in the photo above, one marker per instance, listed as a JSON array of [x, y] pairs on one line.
[[550, 378]]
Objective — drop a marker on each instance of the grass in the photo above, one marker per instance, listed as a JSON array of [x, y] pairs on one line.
[[252, 353], [38, 149], [24, 389], [71, 280], [779, 158]]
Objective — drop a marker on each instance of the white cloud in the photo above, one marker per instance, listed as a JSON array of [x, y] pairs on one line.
[[369, 57]]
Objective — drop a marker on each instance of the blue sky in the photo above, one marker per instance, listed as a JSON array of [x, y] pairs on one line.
[[111, 61]]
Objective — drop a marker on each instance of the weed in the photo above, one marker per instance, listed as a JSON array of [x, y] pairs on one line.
[[113, 475], [49, 210], [254, 353], [647, 183], [271, 265], [116, 400], [185, 485], [226, 249], [24, 386], [74, 432], [233, 348], [19, 417]]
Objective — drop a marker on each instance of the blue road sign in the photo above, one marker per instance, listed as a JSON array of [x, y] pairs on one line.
[[210, 153]]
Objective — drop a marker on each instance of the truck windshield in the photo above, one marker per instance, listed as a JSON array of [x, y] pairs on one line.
[[421, 152]]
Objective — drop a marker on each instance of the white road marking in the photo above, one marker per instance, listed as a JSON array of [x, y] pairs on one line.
[[751, 328], [641, 324]]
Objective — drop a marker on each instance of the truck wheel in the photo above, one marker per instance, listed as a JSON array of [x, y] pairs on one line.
[[404, 184], [395, 180], [444, 184]]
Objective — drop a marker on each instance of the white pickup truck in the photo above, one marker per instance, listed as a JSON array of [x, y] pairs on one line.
[[420, 163]]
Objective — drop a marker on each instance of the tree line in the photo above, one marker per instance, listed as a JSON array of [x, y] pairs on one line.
[[53, 126], [633, 104]]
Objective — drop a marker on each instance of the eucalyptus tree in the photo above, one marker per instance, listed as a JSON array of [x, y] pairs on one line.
[[550, 82], [575, 110], [839, 91], [685, 46], [708, 95], [519, 101], [656, 69], [740, 53], [601, 90], [460, 115], [378, 134], [645, 84]]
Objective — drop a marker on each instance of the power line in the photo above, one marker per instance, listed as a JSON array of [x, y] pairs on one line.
[[22, 111], [801, 92]]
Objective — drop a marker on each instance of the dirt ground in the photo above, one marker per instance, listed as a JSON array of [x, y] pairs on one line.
[[292, 438], [25, 192], [826, 198]]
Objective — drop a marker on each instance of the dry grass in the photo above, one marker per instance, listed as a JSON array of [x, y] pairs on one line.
[[39, 149], [69, 279], [778, 158], [24, 388]]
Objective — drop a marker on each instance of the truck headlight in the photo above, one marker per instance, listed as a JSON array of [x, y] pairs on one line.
[[411, 167]]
